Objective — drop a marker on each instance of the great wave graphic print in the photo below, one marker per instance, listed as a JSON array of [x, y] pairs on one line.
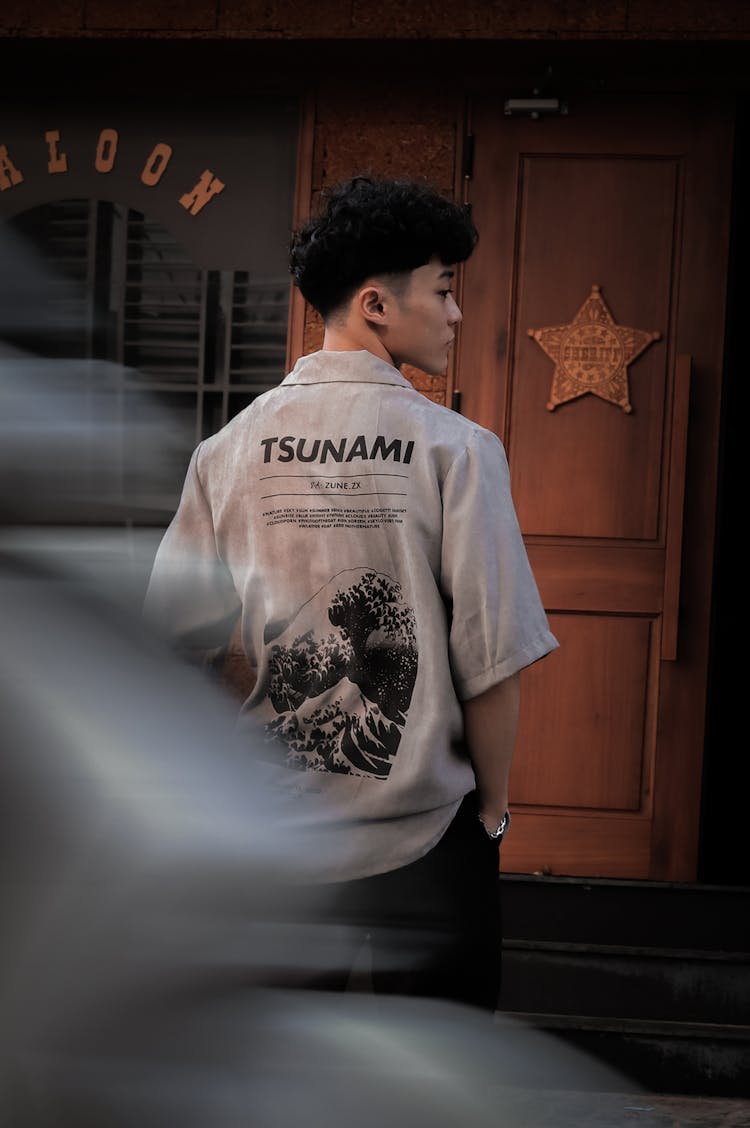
[[341, 697]]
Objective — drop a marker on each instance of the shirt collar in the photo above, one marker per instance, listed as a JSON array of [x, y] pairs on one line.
[[358, 367]]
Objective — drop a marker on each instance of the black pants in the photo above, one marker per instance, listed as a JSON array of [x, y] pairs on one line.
[[433, 928]]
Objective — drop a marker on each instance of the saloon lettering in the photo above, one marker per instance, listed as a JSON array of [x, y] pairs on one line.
[[292, 449], [105, 156]]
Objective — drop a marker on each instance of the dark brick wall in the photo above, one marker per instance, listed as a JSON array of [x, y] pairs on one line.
[[414, 133], [389, 19]]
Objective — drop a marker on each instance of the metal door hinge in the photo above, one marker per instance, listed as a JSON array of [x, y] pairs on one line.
[[468, 156]]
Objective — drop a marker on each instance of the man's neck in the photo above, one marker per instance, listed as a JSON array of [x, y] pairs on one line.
[[345, 339]]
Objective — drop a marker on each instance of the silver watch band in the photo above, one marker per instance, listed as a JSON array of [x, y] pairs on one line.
[[497, 835]]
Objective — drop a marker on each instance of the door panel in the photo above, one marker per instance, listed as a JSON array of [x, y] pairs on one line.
[[592, 694], [607, 774], [577, 220], [576, 845], [583, 577]]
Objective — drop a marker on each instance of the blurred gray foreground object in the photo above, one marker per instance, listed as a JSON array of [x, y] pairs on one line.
[[143, 875]]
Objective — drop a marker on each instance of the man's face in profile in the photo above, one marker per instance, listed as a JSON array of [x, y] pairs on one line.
[[425, 316]]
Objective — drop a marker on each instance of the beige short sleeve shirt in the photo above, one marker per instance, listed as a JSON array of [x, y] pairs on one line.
[[368, 538]]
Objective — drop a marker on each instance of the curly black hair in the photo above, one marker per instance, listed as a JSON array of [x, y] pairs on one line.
[[371, 226]]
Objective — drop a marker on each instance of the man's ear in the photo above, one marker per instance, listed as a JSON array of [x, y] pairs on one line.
[[374, 304]]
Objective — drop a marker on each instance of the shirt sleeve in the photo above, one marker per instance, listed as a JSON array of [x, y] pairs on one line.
[[191, 599], [498, 624]]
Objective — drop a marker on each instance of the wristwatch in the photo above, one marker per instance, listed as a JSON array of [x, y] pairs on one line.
[[497, 835]]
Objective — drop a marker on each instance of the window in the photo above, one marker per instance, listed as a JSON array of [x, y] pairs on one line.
[[178, 350]]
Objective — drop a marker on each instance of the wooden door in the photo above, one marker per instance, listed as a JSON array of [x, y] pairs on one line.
[[592, 344]]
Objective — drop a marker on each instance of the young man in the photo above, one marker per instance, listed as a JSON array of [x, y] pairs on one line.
[[367, 538]]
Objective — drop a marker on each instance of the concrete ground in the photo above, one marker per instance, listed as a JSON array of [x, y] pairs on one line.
[[564, 1109]]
